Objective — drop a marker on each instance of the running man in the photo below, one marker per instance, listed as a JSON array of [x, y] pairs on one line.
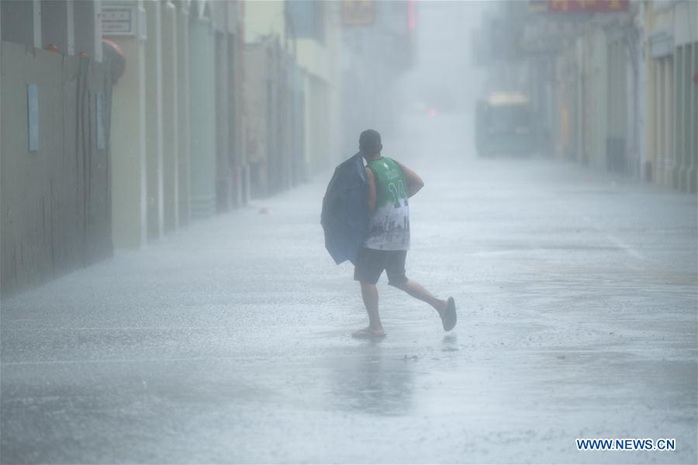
[[390, 184]]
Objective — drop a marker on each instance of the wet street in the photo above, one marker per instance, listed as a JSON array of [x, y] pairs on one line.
[[229, 341]]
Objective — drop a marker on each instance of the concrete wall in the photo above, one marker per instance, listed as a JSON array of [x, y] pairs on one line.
[[129, 174], [616, 151], [230, 160], [685, 169], [170, 114], [176, 118], [275, 115], [256, 105], [595, 91], [597, 116], [154, 121], [203, 94], [55, 202], [183, 168], [322, 64], [671, 46], [264, 19], [320, 60], [18, 22]]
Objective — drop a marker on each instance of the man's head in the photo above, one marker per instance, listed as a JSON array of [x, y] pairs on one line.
[[370, 143]]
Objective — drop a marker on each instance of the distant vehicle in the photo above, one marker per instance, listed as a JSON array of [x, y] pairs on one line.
[[504, 125]]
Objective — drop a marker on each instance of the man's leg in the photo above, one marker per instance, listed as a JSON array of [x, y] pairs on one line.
[[417, 291], [369, 292], [446, 308], [396, 276], [368, 269]]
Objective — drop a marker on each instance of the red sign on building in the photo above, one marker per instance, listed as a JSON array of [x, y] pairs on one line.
[[588, 6]]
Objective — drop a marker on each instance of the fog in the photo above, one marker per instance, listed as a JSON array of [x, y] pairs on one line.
[[445, 76]]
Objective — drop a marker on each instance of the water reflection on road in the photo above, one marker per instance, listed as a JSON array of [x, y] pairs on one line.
[[372, 380]]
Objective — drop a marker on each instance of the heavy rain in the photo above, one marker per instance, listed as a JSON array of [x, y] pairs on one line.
[[517, 234]]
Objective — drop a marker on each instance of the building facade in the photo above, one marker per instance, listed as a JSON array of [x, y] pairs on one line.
[[670, 41], [124, 120], [614, 82], [55, 183]]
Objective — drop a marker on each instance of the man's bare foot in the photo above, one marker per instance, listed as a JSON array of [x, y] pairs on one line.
[[368, 333]]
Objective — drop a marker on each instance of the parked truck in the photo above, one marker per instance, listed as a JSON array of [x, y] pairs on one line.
[[504, 125]]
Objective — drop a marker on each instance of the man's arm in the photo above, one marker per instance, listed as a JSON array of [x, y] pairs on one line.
[[371, 189], [414, 182]]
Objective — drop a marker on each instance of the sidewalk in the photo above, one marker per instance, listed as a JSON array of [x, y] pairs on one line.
[[229, 341]]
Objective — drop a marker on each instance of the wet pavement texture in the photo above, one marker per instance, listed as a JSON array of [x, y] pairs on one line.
[[229, 341]]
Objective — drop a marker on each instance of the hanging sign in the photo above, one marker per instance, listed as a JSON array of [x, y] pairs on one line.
[[119, 20], [587, 6]]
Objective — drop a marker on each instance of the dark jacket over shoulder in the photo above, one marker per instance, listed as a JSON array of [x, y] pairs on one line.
[[345, 210]]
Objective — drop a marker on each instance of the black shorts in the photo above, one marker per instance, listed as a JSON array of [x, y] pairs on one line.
[[371, 263]]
